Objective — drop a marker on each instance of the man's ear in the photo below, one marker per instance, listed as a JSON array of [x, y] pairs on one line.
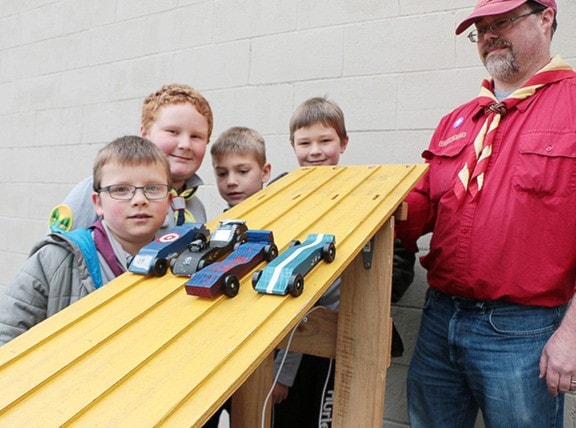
[[548, 19]]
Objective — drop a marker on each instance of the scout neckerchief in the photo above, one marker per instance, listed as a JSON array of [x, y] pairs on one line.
[[471, 177], [105, 248], [181, 214]]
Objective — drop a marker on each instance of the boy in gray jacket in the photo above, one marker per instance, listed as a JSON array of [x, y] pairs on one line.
[[131, 195], [178, 119]]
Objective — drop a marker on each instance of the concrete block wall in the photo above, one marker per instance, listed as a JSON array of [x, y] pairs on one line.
[[73, 74]]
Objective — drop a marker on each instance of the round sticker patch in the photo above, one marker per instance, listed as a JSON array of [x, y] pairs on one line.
[[61, 219], [169, 237]]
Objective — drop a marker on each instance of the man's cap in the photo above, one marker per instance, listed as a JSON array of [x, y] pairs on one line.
[[497, 7]]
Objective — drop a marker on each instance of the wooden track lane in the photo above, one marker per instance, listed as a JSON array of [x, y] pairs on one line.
[[140, 352]]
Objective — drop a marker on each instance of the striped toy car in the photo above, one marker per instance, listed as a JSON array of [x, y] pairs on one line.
[[285, 274]]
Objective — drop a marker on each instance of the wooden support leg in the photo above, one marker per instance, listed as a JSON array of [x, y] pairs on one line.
[[363, 345], [248, 400]]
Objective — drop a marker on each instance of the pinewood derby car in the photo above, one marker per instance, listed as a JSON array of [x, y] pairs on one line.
[[285, 274], [222, 276], [155, 257], [199, 254]]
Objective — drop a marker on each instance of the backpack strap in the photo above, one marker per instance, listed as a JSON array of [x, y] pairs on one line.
[[83, 239], [105, 248]]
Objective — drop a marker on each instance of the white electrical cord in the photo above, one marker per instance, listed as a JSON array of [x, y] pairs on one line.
[[263, 413]]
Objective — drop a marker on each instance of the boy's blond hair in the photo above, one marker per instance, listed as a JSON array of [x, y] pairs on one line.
[[175, 93], [318, 110], [242, 140], [130, 150]]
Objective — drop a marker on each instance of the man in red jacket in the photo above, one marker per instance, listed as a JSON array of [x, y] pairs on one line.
[[498, 332]]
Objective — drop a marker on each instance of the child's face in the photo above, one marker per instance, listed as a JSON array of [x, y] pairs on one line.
[[133, 222], [318, 145], [182, 133], [239, 176]]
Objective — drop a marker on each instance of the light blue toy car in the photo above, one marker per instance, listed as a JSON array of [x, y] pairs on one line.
[[285, 274], [155, 257]]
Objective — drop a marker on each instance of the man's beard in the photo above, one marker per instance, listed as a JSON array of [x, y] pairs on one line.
[[502, 66]]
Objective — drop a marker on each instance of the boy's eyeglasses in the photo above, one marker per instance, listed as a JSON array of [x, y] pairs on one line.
[[497, 28], [125, 192]]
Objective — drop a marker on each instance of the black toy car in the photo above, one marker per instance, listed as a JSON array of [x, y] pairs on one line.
[[200, 253]]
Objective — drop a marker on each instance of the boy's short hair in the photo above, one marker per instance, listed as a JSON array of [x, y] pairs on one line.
[[175, 93], [318, 110], [242, 140], [130, 150]]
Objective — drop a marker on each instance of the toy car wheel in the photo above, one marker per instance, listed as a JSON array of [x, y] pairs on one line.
[[329, 252], [231, 286], [296, 285], [293, 243], [202, 264], [160, 267], [255, 277], [173, 268], [270, 252]]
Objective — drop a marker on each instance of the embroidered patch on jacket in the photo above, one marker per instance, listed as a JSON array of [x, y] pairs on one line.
[[61, 219]]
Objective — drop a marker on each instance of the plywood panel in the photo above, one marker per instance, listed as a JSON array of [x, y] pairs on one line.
[[141, 352]]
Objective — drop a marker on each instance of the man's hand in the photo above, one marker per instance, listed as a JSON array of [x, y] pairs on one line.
[[558, 360]]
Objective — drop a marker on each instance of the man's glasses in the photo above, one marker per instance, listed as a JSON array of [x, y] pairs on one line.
[[125, 192], [497, 28]]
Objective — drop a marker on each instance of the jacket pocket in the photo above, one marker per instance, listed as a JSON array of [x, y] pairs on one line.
[[546, 164]]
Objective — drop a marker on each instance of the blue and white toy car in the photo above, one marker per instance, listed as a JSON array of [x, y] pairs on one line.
[[222, 276], [155, 257], [285, 274]]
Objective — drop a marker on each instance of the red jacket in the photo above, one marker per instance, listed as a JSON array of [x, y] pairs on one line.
[[517, 240]]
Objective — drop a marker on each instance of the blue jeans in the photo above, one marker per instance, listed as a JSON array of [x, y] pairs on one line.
[[485, 355]]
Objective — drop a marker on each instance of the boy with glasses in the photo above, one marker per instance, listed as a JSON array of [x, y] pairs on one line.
[[498, 329], [131, 195]]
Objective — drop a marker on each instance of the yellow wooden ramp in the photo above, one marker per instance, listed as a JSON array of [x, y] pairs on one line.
[[141, 352]]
